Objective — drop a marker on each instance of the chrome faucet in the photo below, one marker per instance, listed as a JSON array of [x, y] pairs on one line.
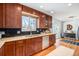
[[30, 32]]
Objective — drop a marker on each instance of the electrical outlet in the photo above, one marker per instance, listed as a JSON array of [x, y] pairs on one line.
[[18, 32]]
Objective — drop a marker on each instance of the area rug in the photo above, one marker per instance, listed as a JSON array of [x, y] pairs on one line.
[[61, 51]]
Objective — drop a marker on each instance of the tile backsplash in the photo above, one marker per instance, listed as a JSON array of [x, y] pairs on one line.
[[9, 32]]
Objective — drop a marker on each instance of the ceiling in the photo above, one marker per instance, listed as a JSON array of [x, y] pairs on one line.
[[61, 11]]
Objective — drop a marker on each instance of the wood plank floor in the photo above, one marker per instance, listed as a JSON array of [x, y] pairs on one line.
[[46, 51]]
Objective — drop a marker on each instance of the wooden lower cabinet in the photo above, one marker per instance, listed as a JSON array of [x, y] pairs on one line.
[[37, 44], [20, 48], [26, 47], [33, 45], [29, 47], [9, 49], [1, 52], [52, 40]]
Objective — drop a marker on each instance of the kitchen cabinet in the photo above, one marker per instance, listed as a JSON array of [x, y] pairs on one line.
[[30, 48], [52, 40], [27, 9], [41, 16], [27, 47], [38, 44], [2, 15], [49, 21], [13, 15], [42, 20], [45, 21], [9, 49], [34, 45], [20, 48], [1, 52]]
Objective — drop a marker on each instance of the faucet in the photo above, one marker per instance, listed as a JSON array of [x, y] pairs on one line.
[[30, 32]]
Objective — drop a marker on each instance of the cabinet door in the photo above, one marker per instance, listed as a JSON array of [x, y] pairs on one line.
[[2, 14], [1, 52], [49, 21], [33, 45], [42, 20], [27, 9], [30, 48], [38, 44], [13, 15], [20, 48], [52, 40], [9, 49]]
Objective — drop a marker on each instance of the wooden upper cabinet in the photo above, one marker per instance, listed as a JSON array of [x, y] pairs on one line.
[[27, 9], [2, 15], [13, 15], [42, 20], [49, 21], [43, 23]]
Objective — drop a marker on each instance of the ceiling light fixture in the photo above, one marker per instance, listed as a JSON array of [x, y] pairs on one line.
[[69, 4], [52, 12], [41, 6]]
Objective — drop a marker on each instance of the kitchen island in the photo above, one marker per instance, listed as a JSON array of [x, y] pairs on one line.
[[26, 45]]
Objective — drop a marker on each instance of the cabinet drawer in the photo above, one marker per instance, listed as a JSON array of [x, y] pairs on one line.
[[20, 42], [9, 43]]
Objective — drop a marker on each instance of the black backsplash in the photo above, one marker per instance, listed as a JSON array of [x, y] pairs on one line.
[[10, 32]]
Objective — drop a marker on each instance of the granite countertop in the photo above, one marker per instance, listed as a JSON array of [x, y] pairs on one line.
[[3, 40]]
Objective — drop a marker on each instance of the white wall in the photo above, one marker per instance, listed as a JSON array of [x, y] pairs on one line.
[[56, 27], [74, 23]]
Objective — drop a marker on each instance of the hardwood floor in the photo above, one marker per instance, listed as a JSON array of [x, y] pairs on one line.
[[76, 53], [68, 45], [46, 51]]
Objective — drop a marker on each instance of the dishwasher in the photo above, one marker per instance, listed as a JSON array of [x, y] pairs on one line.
[[45, 42]]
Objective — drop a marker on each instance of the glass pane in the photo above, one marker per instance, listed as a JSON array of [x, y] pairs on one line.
[[25, 23], [32, 24]]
